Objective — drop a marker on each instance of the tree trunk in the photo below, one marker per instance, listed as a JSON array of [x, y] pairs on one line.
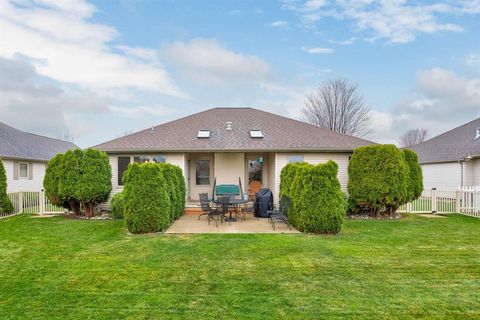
[[89, 210], [75, 207]]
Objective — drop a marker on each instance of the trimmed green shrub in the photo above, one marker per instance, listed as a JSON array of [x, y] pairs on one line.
[[147, 204], [287, 176], [118, 205], [415, 188], [94, 182], [5, 203], [52, 179], [318, 202], [182, 190], [78, 177], [378, 178], [173, 190]]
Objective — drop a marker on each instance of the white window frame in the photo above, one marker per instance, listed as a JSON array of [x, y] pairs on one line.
[[19, 171], [296, 156]]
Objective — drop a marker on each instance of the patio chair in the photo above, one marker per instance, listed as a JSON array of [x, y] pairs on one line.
[[253, 188], [225, 203], [211, 213], [281, 215]]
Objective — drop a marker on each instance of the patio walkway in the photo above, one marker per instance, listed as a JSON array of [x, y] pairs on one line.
[[189, 224]]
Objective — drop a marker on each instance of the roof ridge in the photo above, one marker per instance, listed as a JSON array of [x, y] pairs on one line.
[[449, 131], [38, 135], [314, 126]]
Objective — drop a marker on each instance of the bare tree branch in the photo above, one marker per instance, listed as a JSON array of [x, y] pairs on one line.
[[413, 137], [337, 105]]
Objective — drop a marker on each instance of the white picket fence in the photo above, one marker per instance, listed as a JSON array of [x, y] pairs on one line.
[[465, 201], [31, 202]]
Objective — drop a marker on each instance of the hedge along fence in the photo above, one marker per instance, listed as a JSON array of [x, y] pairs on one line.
[[382, 178], [153, 196], [318, 204], [5, 203]]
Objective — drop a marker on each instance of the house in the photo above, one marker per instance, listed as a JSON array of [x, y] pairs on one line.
[[221, 145], [452, 159], [25, 155]]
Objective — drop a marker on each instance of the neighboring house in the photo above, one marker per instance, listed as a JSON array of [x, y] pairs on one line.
[[452, 159], [225, 144], [25, 156]]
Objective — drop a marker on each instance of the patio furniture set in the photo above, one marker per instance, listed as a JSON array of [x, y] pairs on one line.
[[222, 208]]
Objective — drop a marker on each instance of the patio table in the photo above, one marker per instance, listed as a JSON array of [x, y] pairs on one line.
[[235, 203]]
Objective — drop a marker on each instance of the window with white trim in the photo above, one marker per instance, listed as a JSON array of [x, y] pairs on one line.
[[295, 158], [23, 170]]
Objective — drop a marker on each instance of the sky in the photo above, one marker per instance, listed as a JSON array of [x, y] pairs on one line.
[[102, 69]]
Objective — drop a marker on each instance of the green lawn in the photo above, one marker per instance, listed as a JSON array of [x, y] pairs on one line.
[[59, 268]]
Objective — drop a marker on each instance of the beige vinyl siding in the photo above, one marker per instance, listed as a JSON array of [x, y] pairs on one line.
[[34, 181], [442, 175], [468, 173], [314, 158], [476, 172], [271, 171], [229, 167]]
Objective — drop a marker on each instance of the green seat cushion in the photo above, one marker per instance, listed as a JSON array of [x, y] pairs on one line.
[[227, 189]]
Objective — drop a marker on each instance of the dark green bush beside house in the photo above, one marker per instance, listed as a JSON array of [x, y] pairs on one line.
[[415, 175], [173, 187], [380, 179], [52, 179], [118, 206], [5, 203], [318, 203], [147, 203], [182, 189]]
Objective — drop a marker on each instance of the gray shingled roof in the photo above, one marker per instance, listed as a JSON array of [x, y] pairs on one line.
[[23, 145], [280, 133], [450, 146]]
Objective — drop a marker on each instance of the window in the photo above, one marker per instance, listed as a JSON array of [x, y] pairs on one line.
[[255, 170], [295, 158], [123, 163], [203, 172], [159, 159], [23, 170], [141, 159], [203, 133], [256, 133]]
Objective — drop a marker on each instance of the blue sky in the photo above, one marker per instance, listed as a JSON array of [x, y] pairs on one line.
[[102, 69]]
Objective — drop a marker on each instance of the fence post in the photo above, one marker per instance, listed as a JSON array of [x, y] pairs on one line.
[[434, 200], [20, 201], [457, 202], [41, 195]]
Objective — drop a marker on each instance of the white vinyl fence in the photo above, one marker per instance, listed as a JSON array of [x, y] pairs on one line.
[[31, 202], [465, 201]]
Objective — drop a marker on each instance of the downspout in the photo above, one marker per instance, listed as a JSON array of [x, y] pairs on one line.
[[461, 174]]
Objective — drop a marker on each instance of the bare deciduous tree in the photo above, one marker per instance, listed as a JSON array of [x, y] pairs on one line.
[[66, 136], [413, 137], [337, 105]]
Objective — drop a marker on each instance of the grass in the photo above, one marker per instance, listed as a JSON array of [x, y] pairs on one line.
[[60, 268]]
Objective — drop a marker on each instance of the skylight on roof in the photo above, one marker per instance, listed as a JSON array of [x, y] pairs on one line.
[[203, 133], [256, 134]]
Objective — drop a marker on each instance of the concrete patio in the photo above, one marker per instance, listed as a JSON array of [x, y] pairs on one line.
[[189, 223]]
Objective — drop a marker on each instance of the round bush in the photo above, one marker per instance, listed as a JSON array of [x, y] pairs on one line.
[[147, 204], [378, 178], [117, 206], [5, 203], [319, 203], [415, 182]]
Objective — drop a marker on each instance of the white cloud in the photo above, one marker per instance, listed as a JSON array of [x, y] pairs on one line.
[[314, 4], [396, 21], [31, 102], [207, 61], [79, 54], [279, 24], [138, 111], [348, 41], [472, 60], [318, 50]]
